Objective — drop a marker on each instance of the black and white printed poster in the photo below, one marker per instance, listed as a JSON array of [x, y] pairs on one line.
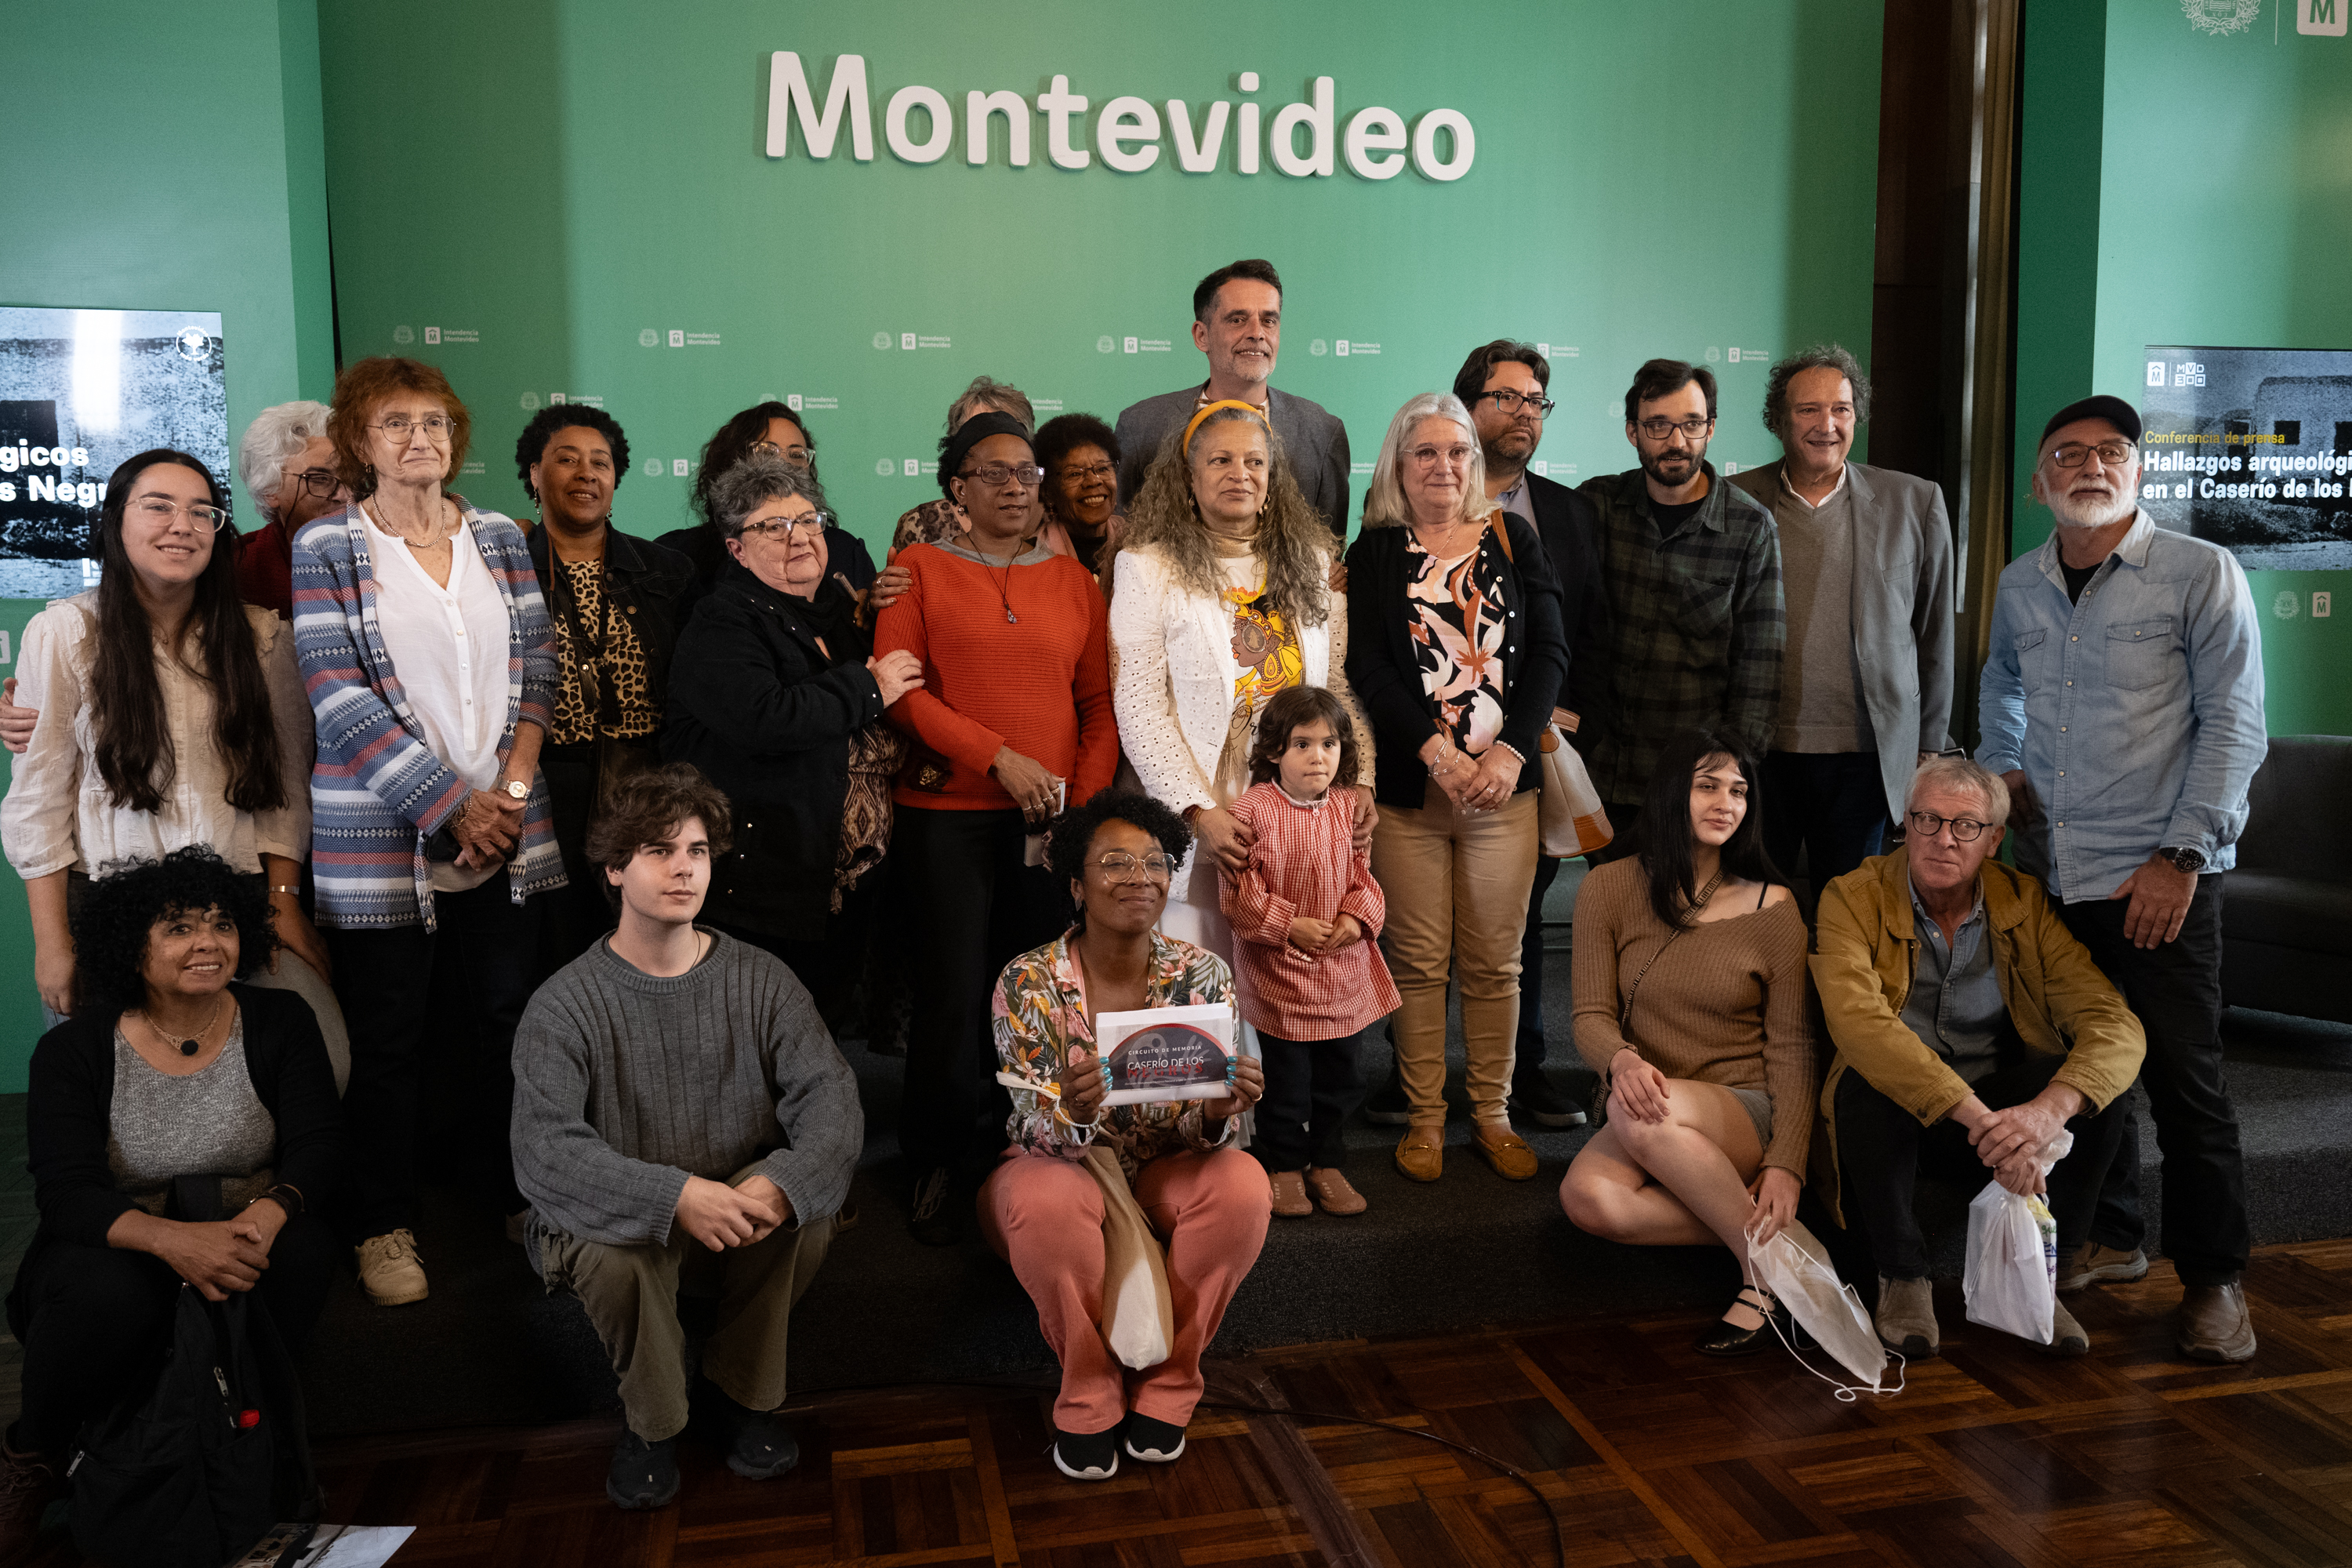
[[79, 392], [2251, 448]]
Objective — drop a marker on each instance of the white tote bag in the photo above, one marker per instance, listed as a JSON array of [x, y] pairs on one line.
[[1796, 1269], [2011, 1282]]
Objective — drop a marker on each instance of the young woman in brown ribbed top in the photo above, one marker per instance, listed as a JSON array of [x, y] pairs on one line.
[[1690, 1002]]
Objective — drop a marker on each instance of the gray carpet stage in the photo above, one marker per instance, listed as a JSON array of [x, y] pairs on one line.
[[1472, 1249]]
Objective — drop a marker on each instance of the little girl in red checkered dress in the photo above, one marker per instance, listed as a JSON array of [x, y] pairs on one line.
[[1304, 913]]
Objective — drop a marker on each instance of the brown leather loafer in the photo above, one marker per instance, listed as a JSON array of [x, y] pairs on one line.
[[1290, 1199], [1505, 1150], [1331, 1190], [1421, 1153], [2214, 1324]]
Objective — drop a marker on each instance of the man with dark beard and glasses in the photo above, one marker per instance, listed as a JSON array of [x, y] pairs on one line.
[[2122, 704], [1693, 571]]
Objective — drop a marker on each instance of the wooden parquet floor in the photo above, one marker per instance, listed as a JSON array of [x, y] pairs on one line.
[[1648, 1453]]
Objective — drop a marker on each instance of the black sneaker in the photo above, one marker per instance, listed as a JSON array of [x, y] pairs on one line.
[[643, 1475], [1086, 1456], [1387, 1106], [761, 1446], [1155, 1442], [937, 1219], [1533, 1097]]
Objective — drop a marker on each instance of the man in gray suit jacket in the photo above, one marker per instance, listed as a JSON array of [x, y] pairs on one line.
[[1237, 323], [1867, 566]]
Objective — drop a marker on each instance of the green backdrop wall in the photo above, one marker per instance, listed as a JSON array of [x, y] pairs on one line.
[[2188, 185], [167, 157], [576, 194]]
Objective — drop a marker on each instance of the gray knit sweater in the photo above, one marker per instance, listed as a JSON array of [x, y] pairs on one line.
[[625, 1084]]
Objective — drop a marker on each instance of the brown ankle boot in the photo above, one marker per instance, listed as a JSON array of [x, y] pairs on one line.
[[28, 1484]]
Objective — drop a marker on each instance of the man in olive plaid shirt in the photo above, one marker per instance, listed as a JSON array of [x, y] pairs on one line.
[[1693, 568]]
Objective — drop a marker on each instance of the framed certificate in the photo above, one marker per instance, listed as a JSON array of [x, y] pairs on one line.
[[1166, 1053]]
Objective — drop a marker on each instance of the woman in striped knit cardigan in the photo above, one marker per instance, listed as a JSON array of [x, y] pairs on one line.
[[430, 663]]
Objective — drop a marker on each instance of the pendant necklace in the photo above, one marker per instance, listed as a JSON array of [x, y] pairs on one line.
[[1003, 593], [190, 1047]]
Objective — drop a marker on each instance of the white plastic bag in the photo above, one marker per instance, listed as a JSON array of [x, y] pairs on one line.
[[2011, 1282], [1796, 1269]]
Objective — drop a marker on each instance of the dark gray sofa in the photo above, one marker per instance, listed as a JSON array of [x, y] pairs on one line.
[[2286, 916]]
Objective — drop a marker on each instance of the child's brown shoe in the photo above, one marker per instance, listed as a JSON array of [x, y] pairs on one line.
[[1331, 1190], [1504, 1150], [1421, 1153], [1290, 1199]]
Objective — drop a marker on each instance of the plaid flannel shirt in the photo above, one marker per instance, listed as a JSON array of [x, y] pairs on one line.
[[1697, 623]]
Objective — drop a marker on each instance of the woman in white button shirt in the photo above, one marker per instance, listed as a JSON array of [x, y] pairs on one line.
[[169, 715], [431, 667]]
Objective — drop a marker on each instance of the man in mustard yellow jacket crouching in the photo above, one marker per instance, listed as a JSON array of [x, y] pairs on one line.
[[1970, 1027]]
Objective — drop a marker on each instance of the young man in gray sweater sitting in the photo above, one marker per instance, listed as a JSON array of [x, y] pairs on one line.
[[681, 1119]]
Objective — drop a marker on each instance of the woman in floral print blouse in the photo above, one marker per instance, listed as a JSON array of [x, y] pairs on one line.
[[1043, 1210]]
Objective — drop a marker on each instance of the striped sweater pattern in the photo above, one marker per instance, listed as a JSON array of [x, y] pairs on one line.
[[377, 791]]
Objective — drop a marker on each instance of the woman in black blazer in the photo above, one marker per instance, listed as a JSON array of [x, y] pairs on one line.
[[1455, 652], [776, 696], [211, 1079]]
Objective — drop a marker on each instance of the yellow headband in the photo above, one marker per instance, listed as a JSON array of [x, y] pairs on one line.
[[1250, 409]]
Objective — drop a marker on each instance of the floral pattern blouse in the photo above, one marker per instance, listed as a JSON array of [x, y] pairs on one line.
[[1457, 641], [1041, 1011]]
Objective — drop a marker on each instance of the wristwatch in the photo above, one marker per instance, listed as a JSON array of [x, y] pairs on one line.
[[515, 789], [2189, 860]]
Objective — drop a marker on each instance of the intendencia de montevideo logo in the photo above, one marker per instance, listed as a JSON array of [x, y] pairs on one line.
[[1374, 141]]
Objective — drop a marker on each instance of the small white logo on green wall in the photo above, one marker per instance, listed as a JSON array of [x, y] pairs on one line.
[[2285, 605], [882, 339], [649, 339], [529, 401], [1106, 344], [404, 334], [2222, 17], [2321, 18], [884, 468]]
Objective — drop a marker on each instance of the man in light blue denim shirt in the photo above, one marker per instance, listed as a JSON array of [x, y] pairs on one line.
[[2122, 702]]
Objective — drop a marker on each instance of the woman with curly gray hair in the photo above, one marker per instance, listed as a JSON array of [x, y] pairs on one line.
[[1221, 596], [776, 695]]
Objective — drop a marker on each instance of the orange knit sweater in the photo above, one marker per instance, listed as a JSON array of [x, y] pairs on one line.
[[1725, 1005], [1040, 684]]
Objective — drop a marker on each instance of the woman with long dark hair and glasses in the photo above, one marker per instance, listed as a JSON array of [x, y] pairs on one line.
[[771, 430], [170, 715], [1690, 1002]]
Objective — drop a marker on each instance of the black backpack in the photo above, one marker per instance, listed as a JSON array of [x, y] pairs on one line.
[[195, 1472]]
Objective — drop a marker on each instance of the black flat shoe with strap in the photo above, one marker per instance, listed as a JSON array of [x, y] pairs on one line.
[[1726, 1338]]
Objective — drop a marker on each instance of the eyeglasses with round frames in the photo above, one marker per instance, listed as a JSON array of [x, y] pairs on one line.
[[2075, 454], [996, 475], [1658, 430], [1452, 456], [1509, 402], [158, 512], [1090, 471], [1965, 829], [814, 523], [437, 428], [797, 456], [1119, 866]]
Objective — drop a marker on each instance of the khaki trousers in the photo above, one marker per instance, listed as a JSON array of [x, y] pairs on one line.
[[630, 1294], [1457, 888]]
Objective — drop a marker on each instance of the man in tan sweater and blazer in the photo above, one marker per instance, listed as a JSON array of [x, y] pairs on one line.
[[1970, 1027]]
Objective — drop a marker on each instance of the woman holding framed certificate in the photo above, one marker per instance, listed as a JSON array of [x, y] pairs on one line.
[[1164, 1010]]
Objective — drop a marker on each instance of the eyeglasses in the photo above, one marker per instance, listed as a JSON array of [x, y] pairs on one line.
[[319, 482], [2075, 454], [1965, 829], [798, 457], [815, 523], [1659, 429], [1091, 471], [995, 474], [1507, 402], [437, 428], [157, 512], [1452, 456], [1119, 866]]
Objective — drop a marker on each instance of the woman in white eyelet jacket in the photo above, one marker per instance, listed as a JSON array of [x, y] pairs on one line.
[[1221, 596]]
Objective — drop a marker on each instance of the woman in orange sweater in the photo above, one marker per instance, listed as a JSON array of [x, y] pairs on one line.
[[1012, 725], [1690, 1002]]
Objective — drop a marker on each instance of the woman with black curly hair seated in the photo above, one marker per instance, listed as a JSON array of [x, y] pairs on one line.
[[1043, 1208], [167, 1068]]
